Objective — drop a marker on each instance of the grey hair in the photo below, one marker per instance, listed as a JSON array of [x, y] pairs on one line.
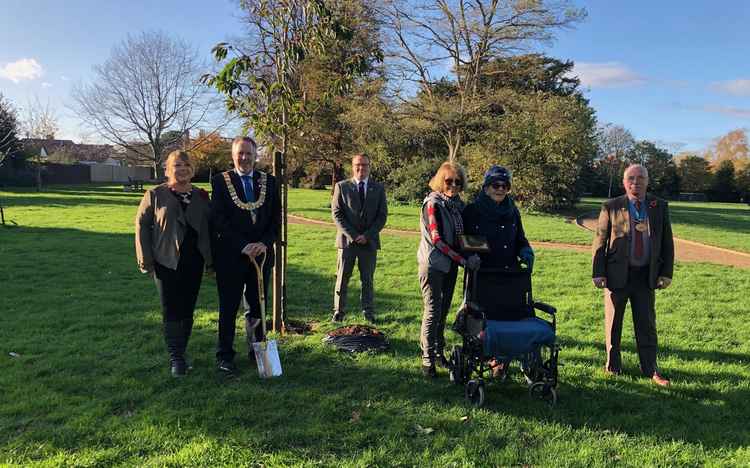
[[636, 166]]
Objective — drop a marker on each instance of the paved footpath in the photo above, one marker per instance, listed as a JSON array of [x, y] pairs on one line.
[[685, 251]]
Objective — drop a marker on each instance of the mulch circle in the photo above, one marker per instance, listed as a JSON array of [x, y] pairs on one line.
[[357, 338]]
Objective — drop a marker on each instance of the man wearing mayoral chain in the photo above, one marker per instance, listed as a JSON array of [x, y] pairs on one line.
[[245, 221]]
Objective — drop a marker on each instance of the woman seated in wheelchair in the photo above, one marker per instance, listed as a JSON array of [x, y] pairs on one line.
[[497, 320]]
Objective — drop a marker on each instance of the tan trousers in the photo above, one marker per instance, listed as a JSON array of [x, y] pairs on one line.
[[642, 299]]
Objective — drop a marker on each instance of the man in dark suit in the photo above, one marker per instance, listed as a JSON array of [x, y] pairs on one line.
[[245, 220], [360, 211], [633, 254]]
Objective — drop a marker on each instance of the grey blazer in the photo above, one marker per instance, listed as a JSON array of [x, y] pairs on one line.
[[352, 219], [160, 227]]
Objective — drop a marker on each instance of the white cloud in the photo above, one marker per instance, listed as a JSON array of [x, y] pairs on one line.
[[606, 75], [46, 85], [730, 111], [739, 87], [23, 69], [64, 78]]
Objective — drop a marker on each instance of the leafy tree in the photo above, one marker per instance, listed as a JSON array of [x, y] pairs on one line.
[[455, 41], [326, 138], [146, 95], [694, 174], [662, 171], [546, 141], [10, 147], [722, 187], [262, 78], [210, 152], [732, 147], [742, 179], [531, 73]]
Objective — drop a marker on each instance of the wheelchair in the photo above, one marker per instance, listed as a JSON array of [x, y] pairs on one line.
[[498, 324]]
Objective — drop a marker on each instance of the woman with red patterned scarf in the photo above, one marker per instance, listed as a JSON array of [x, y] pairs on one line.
[[438, 260]]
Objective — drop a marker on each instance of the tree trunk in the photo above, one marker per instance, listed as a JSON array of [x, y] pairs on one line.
[[277, 267], [155, 155], [454, 144], [39, 176], [280, 261]]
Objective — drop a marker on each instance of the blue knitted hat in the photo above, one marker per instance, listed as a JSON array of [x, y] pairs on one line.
[[496, 174]]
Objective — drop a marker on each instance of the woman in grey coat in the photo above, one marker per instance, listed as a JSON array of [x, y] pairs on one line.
[[438, 259], [172, 244]]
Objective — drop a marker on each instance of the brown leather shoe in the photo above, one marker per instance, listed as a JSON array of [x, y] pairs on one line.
[[659, 380]]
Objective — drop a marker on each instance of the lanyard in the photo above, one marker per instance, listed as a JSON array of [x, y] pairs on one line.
[[638, 215]]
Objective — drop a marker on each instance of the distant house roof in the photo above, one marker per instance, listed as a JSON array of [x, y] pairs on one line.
[[45, 146], [91, 154]]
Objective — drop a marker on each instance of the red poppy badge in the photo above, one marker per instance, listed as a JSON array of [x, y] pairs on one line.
[[652, 204]]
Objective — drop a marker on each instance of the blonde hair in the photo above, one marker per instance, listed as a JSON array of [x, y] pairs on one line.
[[183, 156], [437, 183]]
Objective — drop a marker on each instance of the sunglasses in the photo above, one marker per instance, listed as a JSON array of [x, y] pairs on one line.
[[499, 185], [454, 182]]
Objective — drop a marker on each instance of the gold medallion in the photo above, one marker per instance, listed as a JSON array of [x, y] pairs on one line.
[[641, 227]]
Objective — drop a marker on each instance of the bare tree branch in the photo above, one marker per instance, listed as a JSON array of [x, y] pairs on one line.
[[454, 41], [147, 92]]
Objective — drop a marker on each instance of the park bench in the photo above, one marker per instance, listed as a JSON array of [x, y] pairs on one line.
[[132, 185]]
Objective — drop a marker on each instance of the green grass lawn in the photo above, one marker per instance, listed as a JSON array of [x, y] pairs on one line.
[[316, 204], [91, 385]]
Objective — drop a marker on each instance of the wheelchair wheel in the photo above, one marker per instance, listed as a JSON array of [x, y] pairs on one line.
[[458, 370], [544, 392], [475, 392]]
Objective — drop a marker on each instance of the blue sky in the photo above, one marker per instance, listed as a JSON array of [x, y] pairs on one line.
[[675, 72]]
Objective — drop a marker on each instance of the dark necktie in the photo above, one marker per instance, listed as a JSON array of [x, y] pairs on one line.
[[638, 234], [362, 194], [247, 184]]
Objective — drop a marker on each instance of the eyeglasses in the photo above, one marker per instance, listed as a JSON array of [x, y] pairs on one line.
[[499, 185], [454, 182]]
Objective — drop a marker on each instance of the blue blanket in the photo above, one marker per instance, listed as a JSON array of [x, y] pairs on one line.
[[511, 339]]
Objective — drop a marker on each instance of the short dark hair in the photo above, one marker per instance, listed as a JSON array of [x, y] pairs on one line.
[[361, 155], [246, 139]]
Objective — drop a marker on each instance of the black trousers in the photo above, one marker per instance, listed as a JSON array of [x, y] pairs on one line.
[[178, 289], [238, 285]]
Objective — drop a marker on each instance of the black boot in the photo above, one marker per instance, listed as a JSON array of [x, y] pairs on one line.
[[251, 335], [174, 338], [187, 330]]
